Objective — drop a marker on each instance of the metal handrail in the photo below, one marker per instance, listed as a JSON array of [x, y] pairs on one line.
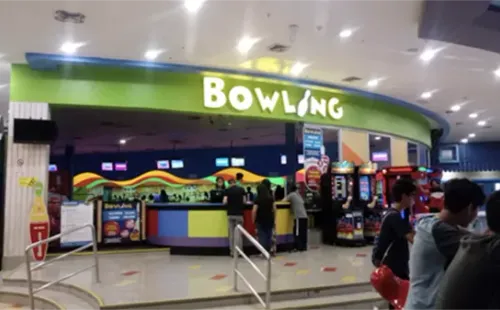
[[238, 232], [30, 269]]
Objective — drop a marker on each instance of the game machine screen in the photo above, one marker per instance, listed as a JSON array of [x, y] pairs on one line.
[[368, 200], [350, 221], [420, 176]]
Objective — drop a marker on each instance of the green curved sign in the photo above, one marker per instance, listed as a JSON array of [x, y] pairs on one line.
[[217, 93]]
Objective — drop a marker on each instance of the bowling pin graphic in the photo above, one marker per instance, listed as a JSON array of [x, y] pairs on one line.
[[39, 222], [303, 105]]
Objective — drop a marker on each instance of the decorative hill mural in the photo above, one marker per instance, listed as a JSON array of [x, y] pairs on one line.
[[87, 185]]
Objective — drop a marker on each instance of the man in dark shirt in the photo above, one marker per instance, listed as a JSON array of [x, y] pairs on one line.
[[234, 199], [471, 280], [391, 248]]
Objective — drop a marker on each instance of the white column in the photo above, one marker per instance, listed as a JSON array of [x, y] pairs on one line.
[[23, 160]]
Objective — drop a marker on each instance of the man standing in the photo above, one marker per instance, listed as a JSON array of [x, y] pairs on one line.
[[300, 214], [391, 248], [234, 199], [471, 281], [437, 240]]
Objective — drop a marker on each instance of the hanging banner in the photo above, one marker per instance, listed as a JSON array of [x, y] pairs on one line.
[[312, 140], [38, 218]]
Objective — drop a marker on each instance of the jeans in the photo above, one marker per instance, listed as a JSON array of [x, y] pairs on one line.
[[233, 221], [265, 235]]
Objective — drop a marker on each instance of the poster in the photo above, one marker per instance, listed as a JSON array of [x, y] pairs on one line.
[[75, 214], [121, 222], [38, 225], [313, 150]]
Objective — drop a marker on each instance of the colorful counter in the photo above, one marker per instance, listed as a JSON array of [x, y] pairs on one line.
[[202, 228]]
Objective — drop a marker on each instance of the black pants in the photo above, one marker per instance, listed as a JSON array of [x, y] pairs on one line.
[[300, 234]]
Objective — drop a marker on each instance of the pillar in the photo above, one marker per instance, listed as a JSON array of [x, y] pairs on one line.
[[399, 152], [354, 146], [69, 151], [23, 160], [291, 151]]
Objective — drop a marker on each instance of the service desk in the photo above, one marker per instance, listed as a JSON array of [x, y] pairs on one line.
[[202, 228]]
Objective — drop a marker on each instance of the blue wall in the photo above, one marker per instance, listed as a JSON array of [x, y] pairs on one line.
[[476, 157], [263, 160]]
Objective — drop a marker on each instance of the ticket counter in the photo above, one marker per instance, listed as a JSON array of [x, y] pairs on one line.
[[202, 228]]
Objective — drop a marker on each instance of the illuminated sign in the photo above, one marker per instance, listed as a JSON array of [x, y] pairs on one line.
[[342, 167], [242, 98]]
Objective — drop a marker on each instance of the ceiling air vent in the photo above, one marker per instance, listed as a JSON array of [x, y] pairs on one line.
[[351, 79], [448, 111], [69, 17], [279, 48], [422, 101], [487, 127], [459, 123]]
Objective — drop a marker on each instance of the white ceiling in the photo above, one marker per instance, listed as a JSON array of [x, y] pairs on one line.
[[385, 31]]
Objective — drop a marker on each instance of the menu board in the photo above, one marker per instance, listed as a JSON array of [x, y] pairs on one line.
[[121, 222], [75, 214]]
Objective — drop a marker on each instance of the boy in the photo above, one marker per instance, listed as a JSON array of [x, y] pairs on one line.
[[437, 241], [471, 281], [395, 232]]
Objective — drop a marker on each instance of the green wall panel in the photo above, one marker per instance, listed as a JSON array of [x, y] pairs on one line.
[[115, 87]]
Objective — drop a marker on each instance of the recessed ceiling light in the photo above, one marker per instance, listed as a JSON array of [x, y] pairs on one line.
[[378, 138], [373, 83], [246, 44], [297, 68], [71, 47], [473, 115], [122, 141], [481, 123], [455, 108], [497, 72], [3, 85], [472, 135], [152, 54], [464, 140], [346, 33], [193, 6], [426, 95], [428, 54]]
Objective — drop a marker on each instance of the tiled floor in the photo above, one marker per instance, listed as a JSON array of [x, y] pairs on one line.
[[128, 278]]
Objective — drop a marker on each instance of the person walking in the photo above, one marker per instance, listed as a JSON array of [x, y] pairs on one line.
[[300, 224], [234, 199], [263, 214], [391, 247]]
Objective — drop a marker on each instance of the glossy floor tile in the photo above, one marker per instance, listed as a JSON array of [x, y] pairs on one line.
[[142, 277]]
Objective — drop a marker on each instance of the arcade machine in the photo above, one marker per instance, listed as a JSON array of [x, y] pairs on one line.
[[421, 177], [370, 199], [349, 215]]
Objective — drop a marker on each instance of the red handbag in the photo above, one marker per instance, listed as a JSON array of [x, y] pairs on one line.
[[389, 286]]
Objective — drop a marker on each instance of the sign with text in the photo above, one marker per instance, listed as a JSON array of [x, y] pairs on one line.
[[121, 222], [312, 140], [75, 214]]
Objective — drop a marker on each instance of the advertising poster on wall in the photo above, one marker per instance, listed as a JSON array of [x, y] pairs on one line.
[[75, 214], [312, 139], [121, 222]]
